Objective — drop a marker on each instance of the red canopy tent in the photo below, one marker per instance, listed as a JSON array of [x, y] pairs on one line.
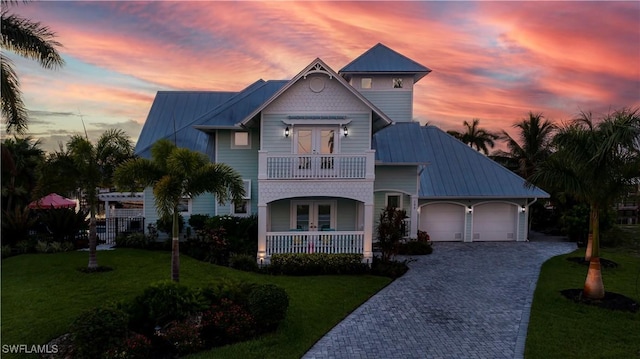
[[52, 200]]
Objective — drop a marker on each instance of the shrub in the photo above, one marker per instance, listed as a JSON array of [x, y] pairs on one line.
[[96, 331], [135, 346], [132, 240], [244, 262], [42, 247], [209, 245], [391, 229], [55, 247], [25, 246], [161, 303], [388, 268], [198, 221], [226, 323], [415, 247], [64, 224], [316, 263], [68, 247], [16, 225], [241, 232], [233, 290], [184, 336], [268, 304], [165, 224], [6, 251]]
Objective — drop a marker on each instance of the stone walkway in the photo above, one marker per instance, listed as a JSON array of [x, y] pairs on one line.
[[466, 300]]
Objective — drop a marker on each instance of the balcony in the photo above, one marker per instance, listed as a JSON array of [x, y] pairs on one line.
[[315, 242], [316, 166]]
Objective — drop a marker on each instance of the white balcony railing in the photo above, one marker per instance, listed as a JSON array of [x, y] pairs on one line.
[[335, 166], [315, 242]]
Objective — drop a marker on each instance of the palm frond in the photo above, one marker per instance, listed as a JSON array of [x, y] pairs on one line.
[[31, 40], [13, 109]]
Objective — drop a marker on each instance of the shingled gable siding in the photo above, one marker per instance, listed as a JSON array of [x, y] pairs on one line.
[[244, 161]]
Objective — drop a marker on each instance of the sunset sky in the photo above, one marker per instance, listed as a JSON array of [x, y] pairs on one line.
[[495, 61]]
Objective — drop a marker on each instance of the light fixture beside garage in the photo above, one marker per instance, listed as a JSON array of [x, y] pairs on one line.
[[469, 209], [523, 209]]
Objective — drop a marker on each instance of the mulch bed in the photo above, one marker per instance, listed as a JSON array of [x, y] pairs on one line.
[[604, 263], [613, 301]]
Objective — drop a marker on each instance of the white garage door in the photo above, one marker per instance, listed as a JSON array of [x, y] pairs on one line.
[[494, 222], [443, 221]]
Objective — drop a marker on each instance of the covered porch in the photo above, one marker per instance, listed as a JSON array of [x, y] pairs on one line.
[[315, 224]]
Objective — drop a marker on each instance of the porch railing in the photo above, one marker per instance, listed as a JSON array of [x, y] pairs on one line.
[[315, 242], [316, 166]]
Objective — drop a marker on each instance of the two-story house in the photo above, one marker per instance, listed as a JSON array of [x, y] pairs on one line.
[[324, 152]]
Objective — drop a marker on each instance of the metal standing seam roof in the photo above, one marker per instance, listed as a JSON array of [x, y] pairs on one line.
[[453, 169], [382, 59], [172, 114]]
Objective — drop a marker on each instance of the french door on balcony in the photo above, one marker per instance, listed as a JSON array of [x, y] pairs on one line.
[[315, 145], [313, 215]]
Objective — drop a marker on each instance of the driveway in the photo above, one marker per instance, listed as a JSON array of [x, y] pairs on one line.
[[466, 300]]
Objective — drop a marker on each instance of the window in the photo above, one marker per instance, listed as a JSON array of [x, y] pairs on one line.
[[397, 83], [184, 206], [366, 82], [394, 200], [242, 208], [240, 140]]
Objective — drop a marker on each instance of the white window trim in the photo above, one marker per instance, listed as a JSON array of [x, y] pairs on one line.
[[233, 140], [233, 209], [247, 188], [189, 206], [386, 199], [362, 83], [293, 206]]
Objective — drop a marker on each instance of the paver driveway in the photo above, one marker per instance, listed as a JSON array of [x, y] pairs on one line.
[[466, 300]]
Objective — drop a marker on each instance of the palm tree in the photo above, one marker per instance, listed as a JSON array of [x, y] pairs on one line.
[[595, 162], [30, 40], [533, 145], [85, 168], [20, 158], [476, 137], [176, 173]]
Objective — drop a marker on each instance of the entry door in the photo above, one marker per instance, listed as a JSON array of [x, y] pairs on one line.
[[312, 143], [313, 215]]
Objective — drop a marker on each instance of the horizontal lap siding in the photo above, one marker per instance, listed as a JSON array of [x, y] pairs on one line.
[[280, 212], [346, 215], [401, 178], [244, 161], [397, 105]]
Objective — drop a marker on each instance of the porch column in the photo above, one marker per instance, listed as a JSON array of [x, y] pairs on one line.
[[262, 235], [368, 233], [413, 230]]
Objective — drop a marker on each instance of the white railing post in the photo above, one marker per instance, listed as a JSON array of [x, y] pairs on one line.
[[262, 164], [370, 164]]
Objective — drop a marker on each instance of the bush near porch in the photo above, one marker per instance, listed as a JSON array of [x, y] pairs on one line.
[[42, 294]]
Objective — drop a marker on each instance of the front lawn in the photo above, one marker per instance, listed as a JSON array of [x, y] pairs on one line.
[[560, 328], [43, 293]]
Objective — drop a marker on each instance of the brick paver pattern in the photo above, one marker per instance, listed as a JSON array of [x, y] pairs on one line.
[[466, 300]]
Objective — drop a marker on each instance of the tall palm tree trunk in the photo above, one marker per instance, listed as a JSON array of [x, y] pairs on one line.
[[589, 251], [175, 248], [593, 285], [93, 240]]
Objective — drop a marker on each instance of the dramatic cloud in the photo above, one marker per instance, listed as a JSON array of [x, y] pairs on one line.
[[491, 60]]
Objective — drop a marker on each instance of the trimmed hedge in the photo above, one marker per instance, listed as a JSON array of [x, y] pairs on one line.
[[415, 248], [317, 263]]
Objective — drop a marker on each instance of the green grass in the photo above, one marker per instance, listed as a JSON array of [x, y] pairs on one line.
[[560, 328], [43, 293]]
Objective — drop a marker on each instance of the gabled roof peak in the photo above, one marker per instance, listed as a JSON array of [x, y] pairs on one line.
[[381, 59]]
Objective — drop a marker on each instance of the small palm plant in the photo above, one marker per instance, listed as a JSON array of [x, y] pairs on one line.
[[176, 173]]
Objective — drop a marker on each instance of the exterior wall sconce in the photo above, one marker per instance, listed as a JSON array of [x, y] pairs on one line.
[[286, 132], [469, 209], [523, 209], [345, 131]]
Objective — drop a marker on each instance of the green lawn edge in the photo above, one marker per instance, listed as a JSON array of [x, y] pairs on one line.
[[43, 293], [561, 328]]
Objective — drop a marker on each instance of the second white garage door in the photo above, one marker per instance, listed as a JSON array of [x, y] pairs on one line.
[[494, 222], [443, 221]]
